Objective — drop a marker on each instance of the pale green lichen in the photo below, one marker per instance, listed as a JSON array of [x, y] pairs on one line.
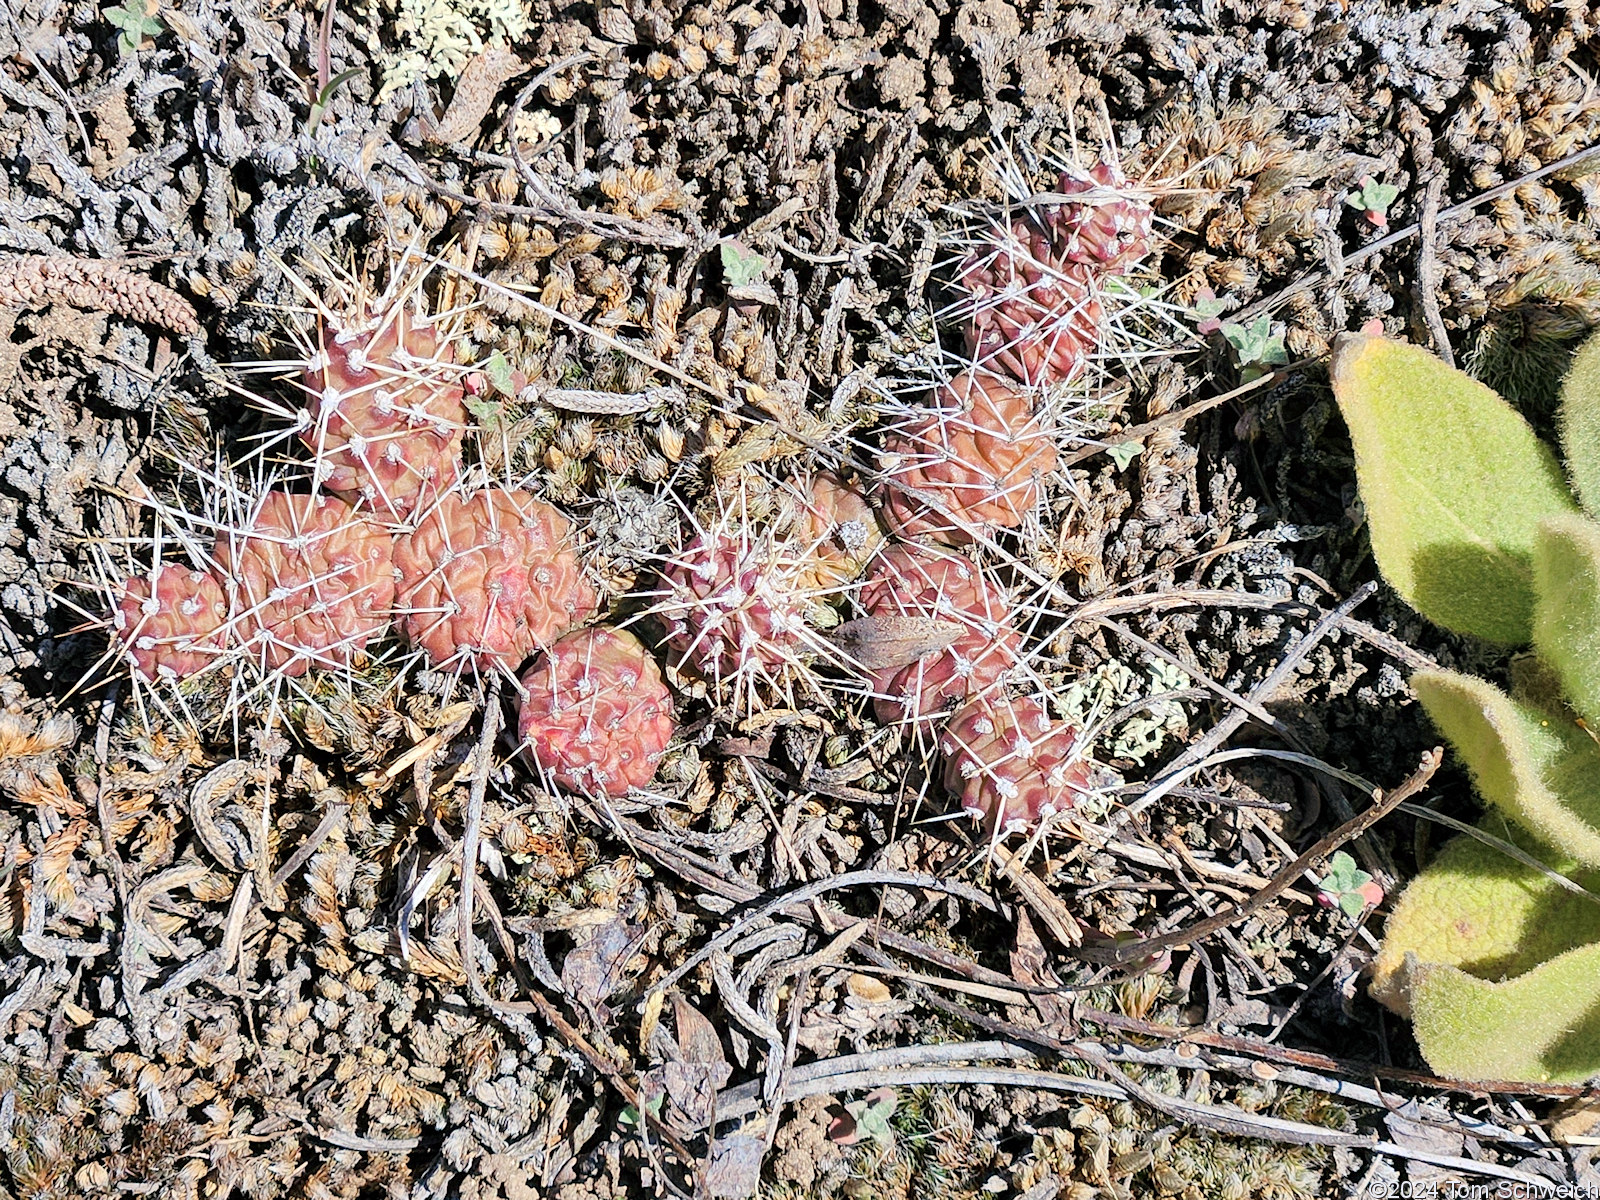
[[421, 40], [1114, 685]]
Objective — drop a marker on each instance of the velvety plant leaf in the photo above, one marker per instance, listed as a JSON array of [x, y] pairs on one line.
[[1566, 615], [1476, 908], [1541, 770], [1580, 423], [1540, 1027], [1454, 482]]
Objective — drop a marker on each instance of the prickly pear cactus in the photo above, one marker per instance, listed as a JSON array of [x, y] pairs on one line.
[[1495, 958], [979, 452], [595, 713]]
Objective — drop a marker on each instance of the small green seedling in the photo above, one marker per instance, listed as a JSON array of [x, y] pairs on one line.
[[1255, 346], [866, 1119], [1123, 453], [1372, 199], [1347, 887], [498, 370], [319, 106], [629, 1116], [1207, 311], [741, 266], [137, 21]]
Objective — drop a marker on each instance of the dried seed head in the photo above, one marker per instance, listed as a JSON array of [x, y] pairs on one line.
[[978, 453], [596, 714], [314, 581], [171, 624], [1009, 763], [489, 576]]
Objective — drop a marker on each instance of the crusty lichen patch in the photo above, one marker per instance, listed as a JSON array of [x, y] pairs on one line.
[[421, 40]]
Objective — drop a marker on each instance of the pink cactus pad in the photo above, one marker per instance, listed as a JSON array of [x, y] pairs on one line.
[[1008, 762], [1109, 228], [1035, 287], [384, 415], [595, 713], [917, 581], [490, 577], [1034, 317], [979, 453], [314, 580], [734, 608], [174, 628]]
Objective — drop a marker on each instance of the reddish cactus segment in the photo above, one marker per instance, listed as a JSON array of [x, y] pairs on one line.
[[315, 581], [173, 629], [596, 715], [913, 581], [1034, 319], [1008, 762], [1110, 228], [384, 415], [734, 607], [978, 453], [838, 530], [490, 577], [1035, 308]]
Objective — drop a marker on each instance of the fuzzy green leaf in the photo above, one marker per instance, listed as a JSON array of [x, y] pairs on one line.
[[1580, 423], [1476, 908], [1542, 771], [741, 265], [1541, 1027], [1123, 453], [1454, 482], [1566, 616], [498, 369], [1372, 196]]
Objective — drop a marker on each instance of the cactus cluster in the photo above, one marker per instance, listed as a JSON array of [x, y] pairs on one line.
[[1493, 954], [968, 465], [388, 534], [391, 527]]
